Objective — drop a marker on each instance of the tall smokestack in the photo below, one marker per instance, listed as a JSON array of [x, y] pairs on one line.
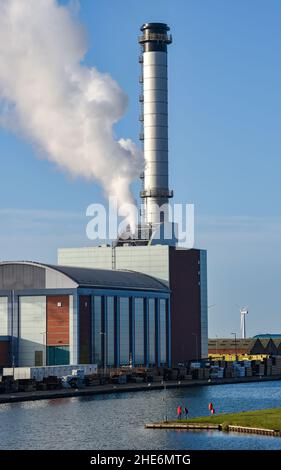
[[154, 78]]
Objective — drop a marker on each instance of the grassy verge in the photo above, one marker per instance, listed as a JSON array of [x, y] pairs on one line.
[[266, 419]]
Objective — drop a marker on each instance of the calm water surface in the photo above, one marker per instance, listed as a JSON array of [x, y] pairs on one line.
[[117, 421]]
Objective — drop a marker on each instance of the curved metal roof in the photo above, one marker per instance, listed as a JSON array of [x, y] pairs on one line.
[[111, 278], [29, 274]]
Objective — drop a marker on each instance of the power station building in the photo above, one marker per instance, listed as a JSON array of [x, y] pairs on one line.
[[139, 301], [183, 271], [53, 315]]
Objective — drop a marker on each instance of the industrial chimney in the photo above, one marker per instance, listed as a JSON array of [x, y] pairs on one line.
[[154, 99]]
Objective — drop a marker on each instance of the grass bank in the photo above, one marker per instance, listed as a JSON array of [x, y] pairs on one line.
[[265, 419]]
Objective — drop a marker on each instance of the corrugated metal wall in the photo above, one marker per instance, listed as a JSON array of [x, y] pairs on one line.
[[21, 276], [32, 328]]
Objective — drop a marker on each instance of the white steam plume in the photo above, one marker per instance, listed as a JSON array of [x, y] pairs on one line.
[[65, 108]]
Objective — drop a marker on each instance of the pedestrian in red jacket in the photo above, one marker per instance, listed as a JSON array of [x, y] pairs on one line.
[[179, 412]]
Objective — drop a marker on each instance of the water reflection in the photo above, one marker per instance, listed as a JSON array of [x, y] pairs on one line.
[[117, 421]]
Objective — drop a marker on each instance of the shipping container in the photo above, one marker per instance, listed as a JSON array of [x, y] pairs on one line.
[[40, 373]]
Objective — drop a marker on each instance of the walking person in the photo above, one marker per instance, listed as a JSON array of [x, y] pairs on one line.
[[186, 412], [179, 412]]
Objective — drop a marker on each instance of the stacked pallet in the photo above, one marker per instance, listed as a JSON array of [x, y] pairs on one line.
[[206, 373], [268, 366], [276, 365], [249, 372], [198, 374]]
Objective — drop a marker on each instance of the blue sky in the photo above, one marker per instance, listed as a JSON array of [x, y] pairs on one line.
[[225, 147]]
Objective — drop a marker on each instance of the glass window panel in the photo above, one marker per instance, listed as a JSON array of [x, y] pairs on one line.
[[139, 331], [124, 331], [97, 331], [3, 316], [110, 331], [151, 331], [162, 332]]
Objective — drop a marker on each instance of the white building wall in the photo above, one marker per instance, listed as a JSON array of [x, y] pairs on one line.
[[204, 304], [32, 329], [92, 257], [151, 260], [56, 280], [4, 328]]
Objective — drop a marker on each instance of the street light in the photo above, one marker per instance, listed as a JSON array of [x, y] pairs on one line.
[[196, 343], [235, 340], [44, 339]]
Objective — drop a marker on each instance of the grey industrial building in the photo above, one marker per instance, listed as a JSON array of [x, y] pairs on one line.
[[65, 315], [142, 301]]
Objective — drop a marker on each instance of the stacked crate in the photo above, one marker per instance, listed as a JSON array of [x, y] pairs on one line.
[[276, 365], [206, 373], [249, 371], [229, 372], [268, 367], [198, 374]]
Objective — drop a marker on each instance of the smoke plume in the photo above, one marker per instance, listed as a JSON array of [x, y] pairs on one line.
[[65, 108]]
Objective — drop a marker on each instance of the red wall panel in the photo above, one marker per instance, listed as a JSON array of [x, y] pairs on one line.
[[185, 304], [4, 353], [58, 320]]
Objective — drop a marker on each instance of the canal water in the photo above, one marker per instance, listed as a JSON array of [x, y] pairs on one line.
[[117, 421]]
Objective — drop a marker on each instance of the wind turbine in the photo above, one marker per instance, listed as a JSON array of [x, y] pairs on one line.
[[243, 313]]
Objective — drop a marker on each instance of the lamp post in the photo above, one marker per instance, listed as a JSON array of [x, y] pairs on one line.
[[196, 344], [44, 339], [235, 341]]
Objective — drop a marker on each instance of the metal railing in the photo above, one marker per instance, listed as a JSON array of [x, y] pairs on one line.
[[166, 38], [157, 193]]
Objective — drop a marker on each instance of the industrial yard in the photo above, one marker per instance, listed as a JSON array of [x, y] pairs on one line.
[[36, 383]]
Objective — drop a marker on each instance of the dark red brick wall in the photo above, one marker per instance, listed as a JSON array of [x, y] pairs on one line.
[[58, 320], [185, 304], [215, 351], [5, 354]]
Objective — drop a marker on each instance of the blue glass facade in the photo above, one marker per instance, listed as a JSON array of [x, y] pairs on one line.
[[132, 329]]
